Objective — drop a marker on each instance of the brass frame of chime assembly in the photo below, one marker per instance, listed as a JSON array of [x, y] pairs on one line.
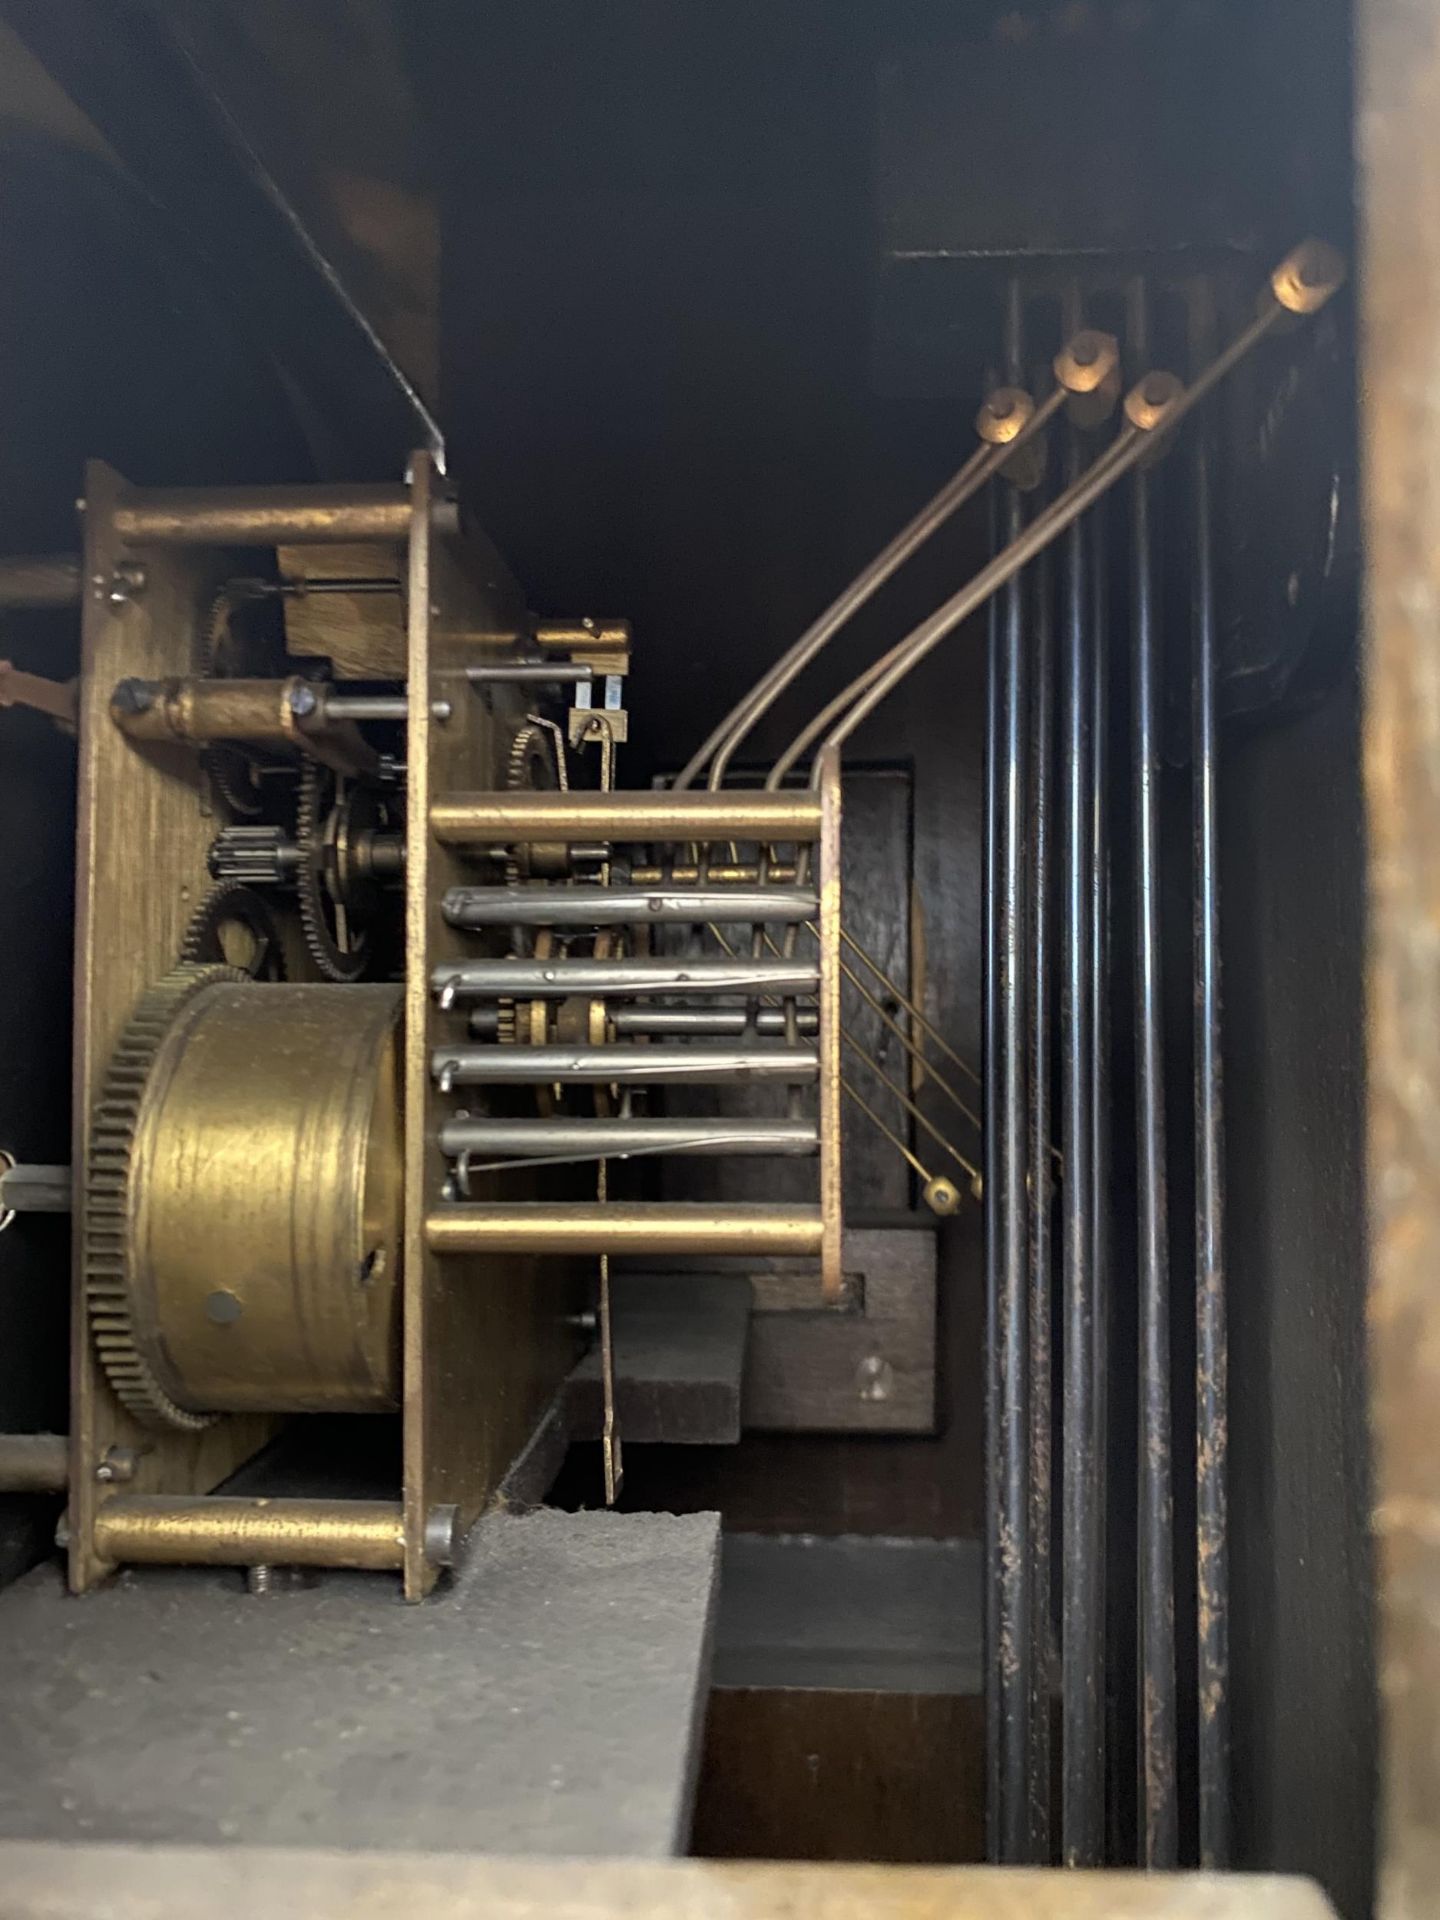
[[461, 1311]]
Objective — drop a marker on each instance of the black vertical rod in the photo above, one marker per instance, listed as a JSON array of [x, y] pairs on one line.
[[1156, 1521], [991, 1043], [1211, 1354], [1097, 554], [1081, 1624], [1041, 1194], [1009, 1651]]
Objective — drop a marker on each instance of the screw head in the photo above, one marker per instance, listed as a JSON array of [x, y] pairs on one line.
[[874, 1378], [942, 1196], [117, 1466], [126, 582], [133, 696], [302, 701]]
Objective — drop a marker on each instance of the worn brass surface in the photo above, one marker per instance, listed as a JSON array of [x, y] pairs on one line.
[[34, 1462], [1088, 367], [203, 710], [1151, 401], [491, 819], [267, 516], [155, 1529], [1307, 277], [487, 1339], [618, 1227], [1087, 360], [831, 1096], [602, 644], [140, 873], [265, 1201], [281, 713], [1004, 415]]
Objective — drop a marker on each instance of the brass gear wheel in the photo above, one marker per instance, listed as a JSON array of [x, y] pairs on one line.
[[106, 1206], [531, 764], [534, 765], [232, 904], [339, 949]]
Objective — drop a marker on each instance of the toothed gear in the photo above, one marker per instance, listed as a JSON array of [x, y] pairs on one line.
[[230, 904], [106, 1229], [531, 763], [530, 767], [252, 856], [338, 949]]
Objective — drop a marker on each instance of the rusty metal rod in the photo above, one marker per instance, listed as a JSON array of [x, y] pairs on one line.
[[1010, 1653], [270, 516], [1040, 1195], [1082, 1625], [991, 1161], [1211, 1395], [1160, 1807], [1101, 1122], [34, 1462]]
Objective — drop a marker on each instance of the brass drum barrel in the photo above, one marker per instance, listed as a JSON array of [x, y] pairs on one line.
[[265, 1201]]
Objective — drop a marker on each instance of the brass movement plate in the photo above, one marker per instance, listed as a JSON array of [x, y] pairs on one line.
[[486, 1337], [142, 838]]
